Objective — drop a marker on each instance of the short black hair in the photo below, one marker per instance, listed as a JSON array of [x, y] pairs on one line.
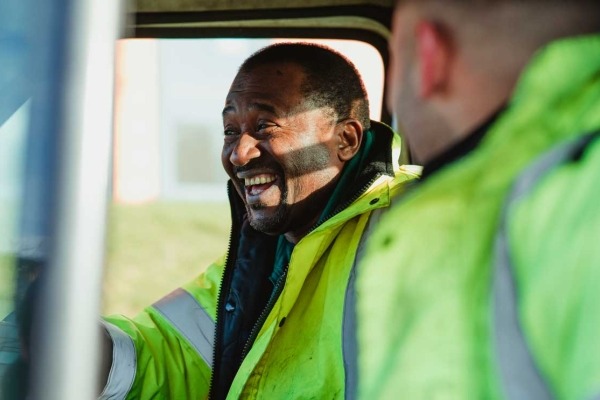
[[331, 80]]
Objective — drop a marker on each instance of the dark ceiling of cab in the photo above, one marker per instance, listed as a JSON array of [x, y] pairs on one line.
[[216, 5], [185, 18]]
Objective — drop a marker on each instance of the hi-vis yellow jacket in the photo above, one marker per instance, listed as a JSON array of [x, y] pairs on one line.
[[299, 351], [483, 282]]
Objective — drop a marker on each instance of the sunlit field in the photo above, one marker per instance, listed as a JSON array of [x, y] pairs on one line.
[[6, 284], [154, 248]]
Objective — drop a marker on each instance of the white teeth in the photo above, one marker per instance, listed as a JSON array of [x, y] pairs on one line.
[[259, 180]]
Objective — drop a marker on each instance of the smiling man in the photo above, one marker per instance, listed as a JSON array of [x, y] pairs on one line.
[[269, 320], [284, 154]]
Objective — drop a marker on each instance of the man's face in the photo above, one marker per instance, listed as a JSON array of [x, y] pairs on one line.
[[417, 117], [400, 61], [280, 153], [402, 100]]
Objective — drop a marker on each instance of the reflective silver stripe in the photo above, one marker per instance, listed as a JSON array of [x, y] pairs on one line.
[[191, 320], [124, 364], [349, 341], [520, 375]]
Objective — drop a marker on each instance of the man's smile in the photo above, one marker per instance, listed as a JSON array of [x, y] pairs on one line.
[[259, 179], [255, 185]]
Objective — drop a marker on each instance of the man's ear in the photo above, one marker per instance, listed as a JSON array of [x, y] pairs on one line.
[[350, 134], [434, 56]]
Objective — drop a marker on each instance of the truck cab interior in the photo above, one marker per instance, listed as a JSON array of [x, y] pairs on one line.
[[109, 121]]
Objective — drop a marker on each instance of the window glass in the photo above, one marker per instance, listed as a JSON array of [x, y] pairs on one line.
[[14, 123], [43, 86], [12, 146], [170, 217]]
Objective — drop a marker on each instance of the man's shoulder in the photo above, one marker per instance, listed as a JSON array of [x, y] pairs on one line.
[[553, 231], [561, 203]]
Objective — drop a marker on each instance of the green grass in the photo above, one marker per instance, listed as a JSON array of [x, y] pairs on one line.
[[154, 248], [7, 284]]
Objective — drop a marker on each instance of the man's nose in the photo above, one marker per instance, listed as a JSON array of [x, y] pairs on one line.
[[245, 150]]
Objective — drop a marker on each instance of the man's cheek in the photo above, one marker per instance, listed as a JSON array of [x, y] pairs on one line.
[[306, 160], [225, 156]]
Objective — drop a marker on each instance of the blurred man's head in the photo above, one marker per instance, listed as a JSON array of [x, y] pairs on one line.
[[455, 62], [294, 115]]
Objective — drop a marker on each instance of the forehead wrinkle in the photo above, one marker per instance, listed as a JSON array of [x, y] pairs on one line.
[[253, 106], [262, 107]]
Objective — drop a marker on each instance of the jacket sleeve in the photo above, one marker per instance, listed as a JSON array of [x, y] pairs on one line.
[[166, 350], [556, 253]]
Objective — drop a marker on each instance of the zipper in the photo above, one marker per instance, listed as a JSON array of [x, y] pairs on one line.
[[233, 244], [265, 312]]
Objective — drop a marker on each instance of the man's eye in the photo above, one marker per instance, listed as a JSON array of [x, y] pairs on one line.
[[229, 132], [263, 127]]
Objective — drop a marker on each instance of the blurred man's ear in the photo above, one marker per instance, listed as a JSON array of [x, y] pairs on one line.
[[350, 137], [433, 50]]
